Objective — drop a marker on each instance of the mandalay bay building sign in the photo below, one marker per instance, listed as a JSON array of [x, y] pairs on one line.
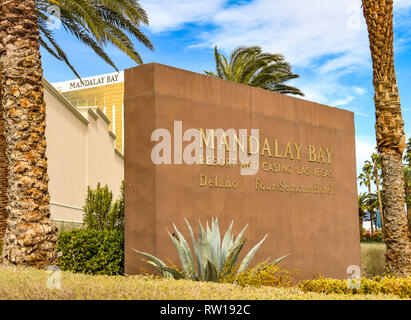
[[229, 148], [197, 147]]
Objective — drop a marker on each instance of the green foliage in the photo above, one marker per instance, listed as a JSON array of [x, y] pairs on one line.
[[97, 24], [117, 211], [92, 251], [407, 155], [216, 259], [99, 211], [251, 66], [263, 274], [400, 287]]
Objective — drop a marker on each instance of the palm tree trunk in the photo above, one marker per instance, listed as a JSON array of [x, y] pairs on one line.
[[30, 237], [390, 134], [3, 170]]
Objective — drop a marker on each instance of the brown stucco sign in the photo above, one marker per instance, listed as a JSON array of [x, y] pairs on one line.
[[293, 172]]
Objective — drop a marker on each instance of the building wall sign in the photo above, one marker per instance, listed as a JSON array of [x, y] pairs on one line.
[[300, 188]]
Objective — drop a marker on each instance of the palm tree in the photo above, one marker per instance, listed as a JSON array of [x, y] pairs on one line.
[[390, 134], [365, 179], [249, 65], [407, 185], [95, 24], [407, 181], [371, 201], [374, 166], [30, 237], [362, 209]]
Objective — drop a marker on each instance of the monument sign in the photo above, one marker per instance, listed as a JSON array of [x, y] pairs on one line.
[[295, 175]]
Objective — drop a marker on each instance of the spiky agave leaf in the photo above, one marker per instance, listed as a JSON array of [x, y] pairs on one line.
[[240, 235], [225, 246], [231, 260], [211, 273], [246, 261], [213, 237], [276, 261], [184, 253], [155, 261], [196, 250], [164, 273], [203, 249]]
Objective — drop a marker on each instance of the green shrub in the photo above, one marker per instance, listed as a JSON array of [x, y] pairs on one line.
[[92, 251], [100, 213], [264, 274], [400, 287]]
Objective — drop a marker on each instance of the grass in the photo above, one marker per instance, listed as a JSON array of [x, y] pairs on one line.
[[373, 259], [27, 283]]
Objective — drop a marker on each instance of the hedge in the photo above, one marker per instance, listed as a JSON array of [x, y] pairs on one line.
[[400, 287], [91, 251]]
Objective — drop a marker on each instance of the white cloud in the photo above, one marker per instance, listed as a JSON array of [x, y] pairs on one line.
[[364, 147], [359, 91], [327, 89], [343, 102], [328, 39], [302, 30], [173, 14]]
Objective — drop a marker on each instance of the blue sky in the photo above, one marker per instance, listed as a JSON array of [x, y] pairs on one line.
[[325, 41]]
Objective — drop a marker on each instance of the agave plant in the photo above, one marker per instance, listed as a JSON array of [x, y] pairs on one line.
[[215, 258]]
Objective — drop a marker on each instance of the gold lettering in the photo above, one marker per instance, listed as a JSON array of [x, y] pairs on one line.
[[241, 146], [224, 141], [276, 150], [288, 151], [311, 153], [203, 180], [321, 155], [329, 153], [251, 145], [207, 139], [298, 149], [266, 148]]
